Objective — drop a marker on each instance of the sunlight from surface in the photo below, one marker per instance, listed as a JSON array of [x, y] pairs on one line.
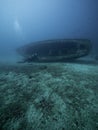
[[17, 26]]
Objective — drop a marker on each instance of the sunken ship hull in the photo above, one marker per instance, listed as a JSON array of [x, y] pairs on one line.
[[55, 50]]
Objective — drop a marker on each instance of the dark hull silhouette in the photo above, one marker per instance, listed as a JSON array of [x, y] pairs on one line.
[[55, 50]]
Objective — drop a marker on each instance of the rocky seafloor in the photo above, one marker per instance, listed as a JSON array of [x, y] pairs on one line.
[[49, 96]]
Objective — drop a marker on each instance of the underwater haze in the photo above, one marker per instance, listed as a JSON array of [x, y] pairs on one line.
[[36, 94], [23, 21]]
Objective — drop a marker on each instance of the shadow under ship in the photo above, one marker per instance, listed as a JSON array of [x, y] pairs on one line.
[[55, 50]]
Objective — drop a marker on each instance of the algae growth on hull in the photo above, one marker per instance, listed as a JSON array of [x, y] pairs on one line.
[[55, 96]]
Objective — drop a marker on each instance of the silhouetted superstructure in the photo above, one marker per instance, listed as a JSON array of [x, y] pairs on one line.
[[55, 50]]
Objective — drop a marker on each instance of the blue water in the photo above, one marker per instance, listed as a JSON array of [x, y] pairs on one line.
[[48, 96], [24, 21]]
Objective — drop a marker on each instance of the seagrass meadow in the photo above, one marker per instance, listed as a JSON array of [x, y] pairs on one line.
[[49, 96]]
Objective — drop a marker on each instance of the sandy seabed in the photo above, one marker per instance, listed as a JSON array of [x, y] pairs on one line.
[[49, 96]]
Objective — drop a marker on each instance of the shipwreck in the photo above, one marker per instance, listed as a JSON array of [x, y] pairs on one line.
[[55, 50]]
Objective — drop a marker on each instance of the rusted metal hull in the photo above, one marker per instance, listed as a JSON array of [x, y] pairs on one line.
[[55, 50]]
